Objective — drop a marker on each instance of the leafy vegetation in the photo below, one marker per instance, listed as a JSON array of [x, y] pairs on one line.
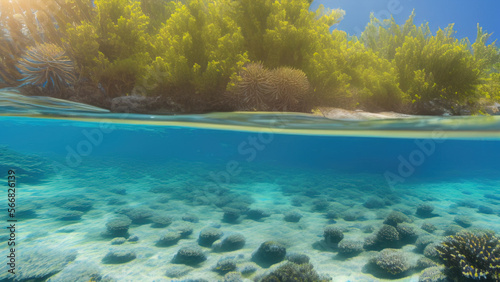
[[253, 55], [197, 52]]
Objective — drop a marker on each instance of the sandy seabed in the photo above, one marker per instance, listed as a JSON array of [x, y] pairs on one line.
[[43, 231]]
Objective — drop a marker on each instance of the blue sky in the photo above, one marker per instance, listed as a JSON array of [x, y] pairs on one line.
[[439, 13]]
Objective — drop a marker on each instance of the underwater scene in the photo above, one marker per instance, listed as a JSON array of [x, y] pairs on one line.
[[249, 140], [246, 196]]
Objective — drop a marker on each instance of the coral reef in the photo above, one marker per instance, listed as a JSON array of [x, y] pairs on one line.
[[118, 241], [424, 262], [353, 215], [348, 247], [391, 261], [184, 230], [453, 229], [248, 269], [82, 205], [424, 210], [423, 241], [133, 238], [292, 216], [429, 227], [387, 233], [231, 242], [257, 214], [70, 215], [119, 257], [320, 204], [208, 236], [431, 250], [39, 263], [269, 253], [189, 256], [118, 226], [333, 235], [297, 258], [161, 221], [396, 217], [294, 272], [138, 215], [471, 255], [168, 239], [80, 271], [433, 274], [233, 276], [190, 218], [407, 232], [374, 203], [177, 271], [225, 265], [231, 215]]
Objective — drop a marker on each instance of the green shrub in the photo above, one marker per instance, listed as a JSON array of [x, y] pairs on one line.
[[198, 51], [112, 48], [374, 84], [440, 68], [430, 68], [158, 11], [286, 33]]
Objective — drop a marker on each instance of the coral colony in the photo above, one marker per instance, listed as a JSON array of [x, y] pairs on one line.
[[474, 256]]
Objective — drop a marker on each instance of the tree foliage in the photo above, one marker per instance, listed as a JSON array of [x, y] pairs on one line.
[[112, 49], [198, 51], [195, 52], [432, 68]]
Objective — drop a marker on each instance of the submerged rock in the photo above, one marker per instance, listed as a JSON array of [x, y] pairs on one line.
[[118, 257], [37, 263], [79, 271], [118, 227], [424, 210], [168, 239], [292, 216]]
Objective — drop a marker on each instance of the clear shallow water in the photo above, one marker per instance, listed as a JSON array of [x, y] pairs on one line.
[[78, 168]]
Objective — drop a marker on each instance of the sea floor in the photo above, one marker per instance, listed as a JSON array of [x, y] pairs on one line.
[[51, 245]]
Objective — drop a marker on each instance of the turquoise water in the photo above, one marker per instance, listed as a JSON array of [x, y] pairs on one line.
[[78, 169]]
